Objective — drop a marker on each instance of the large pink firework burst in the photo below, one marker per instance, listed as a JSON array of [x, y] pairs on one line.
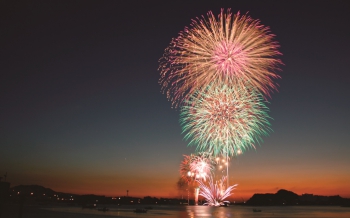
[[224, 50]]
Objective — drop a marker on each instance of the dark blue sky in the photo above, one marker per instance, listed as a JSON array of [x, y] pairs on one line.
[[81, 108]]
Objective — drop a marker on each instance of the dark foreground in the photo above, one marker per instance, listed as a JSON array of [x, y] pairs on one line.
[[35, 211], [162, 211]]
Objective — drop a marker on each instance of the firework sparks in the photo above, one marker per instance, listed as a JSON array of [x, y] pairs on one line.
[[196, 166], [185, 168], [224, 120], [215, 193], [226, 50], [201, 165]]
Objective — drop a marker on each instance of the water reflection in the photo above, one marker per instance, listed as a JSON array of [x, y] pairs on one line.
[[207, 211], [233, 211], [267, 212]]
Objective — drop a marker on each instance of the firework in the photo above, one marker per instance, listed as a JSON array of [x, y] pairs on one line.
[[185, 168], [196, 166], [201, 165], [226, 50], [215, 193], [224, 120]]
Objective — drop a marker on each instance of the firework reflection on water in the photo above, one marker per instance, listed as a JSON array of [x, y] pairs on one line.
[[176, 211]]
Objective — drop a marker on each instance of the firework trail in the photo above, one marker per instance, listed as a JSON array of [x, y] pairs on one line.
[[215, 193], [226, 50], [224, 120]]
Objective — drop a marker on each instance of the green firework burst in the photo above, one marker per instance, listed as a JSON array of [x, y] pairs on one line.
[[225, 120]]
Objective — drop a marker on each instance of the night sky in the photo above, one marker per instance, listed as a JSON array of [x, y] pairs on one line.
[[81, 109]]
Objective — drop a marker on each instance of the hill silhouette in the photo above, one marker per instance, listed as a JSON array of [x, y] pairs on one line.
[[285, 197], [37, 193], [281, 198], [37, 189]]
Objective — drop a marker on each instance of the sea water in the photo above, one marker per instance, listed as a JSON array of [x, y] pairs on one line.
[[160, 211]]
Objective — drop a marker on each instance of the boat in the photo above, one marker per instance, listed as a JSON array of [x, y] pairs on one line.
[[256, 210], [89, 206], [140, 211], [148, 208], [225, 204]]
